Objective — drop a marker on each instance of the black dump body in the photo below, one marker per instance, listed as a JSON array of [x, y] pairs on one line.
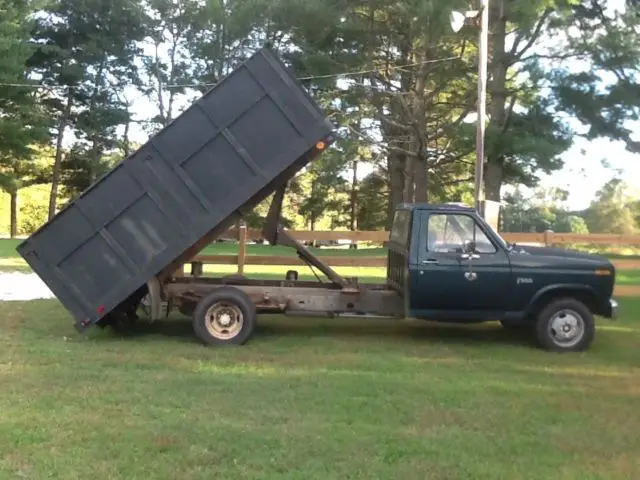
[[227, 152]]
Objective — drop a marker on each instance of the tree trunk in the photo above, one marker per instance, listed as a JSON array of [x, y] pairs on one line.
[[407, 196], [96, 150], [493, 176], [159, 89], [498, 95], [312, 228], [125, 140], [400, 176], [420, 143], [57, 164], [420, 177], [14, 213], [353, 221], [395, 165]]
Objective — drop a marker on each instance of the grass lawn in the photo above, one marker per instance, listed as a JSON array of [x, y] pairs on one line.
[[314, 398]]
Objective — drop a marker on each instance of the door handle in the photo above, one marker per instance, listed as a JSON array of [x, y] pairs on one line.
[[469, 256], [430, 261]]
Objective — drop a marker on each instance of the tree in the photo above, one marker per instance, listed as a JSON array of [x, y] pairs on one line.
[[612, 209], [169, 69], [544, 210], [18, 173], [80, 168], [567, 223], [322, 182], [225, 33], [417, 82], [636, 211], [372, 205], [525, 137], [603, 95], [85, 54], [22, 124], [412, 92]]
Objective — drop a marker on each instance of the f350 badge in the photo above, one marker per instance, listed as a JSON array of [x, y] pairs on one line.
[[520, 280]]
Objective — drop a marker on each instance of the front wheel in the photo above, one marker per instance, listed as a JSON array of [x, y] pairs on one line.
[[565, 325], [225, 316]]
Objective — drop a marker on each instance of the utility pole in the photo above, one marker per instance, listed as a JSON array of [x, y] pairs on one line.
[[483, 46], [458, 20]]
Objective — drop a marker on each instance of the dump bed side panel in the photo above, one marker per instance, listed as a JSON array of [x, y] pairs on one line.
[[193, 175]]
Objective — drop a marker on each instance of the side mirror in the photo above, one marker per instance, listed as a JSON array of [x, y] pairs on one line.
[[468, 246]]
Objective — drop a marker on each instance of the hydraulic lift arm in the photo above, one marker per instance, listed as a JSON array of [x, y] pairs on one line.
[[276, 235]]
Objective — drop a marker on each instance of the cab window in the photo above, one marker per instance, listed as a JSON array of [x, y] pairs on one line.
[[448, 232], [401, 227]]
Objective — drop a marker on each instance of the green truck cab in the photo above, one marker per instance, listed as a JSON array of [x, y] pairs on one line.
[[451, 266]]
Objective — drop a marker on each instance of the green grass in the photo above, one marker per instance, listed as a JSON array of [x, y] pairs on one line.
[[628, 277], [314, 398]]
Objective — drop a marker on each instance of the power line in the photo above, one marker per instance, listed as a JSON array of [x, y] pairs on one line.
[[391, 67], [196, 85]]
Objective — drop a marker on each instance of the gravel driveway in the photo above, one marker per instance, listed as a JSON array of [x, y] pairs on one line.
[[22, 286]]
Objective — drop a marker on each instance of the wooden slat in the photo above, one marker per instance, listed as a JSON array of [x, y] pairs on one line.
[[305, 235], [626, 264], [363, 236], [524, 237], [339, 261], [596, 238], [291, 260], [216, 259], [336, 261], [627, 291]]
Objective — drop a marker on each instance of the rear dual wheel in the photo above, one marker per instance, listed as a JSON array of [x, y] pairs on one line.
[[226, 316]]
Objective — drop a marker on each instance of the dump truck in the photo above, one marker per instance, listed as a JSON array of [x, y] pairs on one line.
[[121, 243]]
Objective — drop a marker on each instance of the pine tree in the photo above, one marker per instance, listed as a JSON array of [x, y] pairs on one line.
[[22, 123]]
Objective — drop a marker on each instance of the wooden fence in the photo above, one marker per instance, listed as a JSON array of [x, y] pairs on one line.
[[242, 259]]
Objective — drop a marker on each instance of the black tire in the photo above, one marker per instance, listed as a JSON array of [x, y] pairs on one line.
[[561, 314], [121, 323], [231, 302]]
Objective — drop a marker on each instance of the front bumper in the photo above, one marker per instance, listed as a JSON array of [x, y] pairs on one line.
[[613, 309]]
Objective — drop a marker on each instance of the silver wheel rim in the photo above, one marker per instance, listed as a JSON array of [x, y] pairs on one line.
[[566, 328], [224, 320]]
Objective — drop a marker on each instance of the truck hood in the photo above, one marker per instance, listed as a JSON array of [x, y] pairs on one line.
[[556, 257]]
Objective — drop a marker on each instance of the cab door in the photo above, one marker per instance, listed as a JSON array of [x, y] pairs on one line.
[[446, 283]]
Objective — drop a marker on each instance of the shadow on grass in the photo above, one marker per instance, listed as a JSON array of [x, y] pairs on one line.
[[306, 329]]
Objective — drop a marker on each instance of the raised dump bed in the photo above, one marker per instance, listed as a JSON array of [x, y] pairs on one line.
[[227, 152]]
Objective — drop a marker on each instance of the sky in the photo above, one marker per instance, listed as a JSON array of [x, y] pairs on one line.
[[583, 172]]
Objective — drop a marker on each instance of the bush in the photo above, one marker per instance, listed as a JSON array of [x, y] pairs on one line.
[[31, 216]]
